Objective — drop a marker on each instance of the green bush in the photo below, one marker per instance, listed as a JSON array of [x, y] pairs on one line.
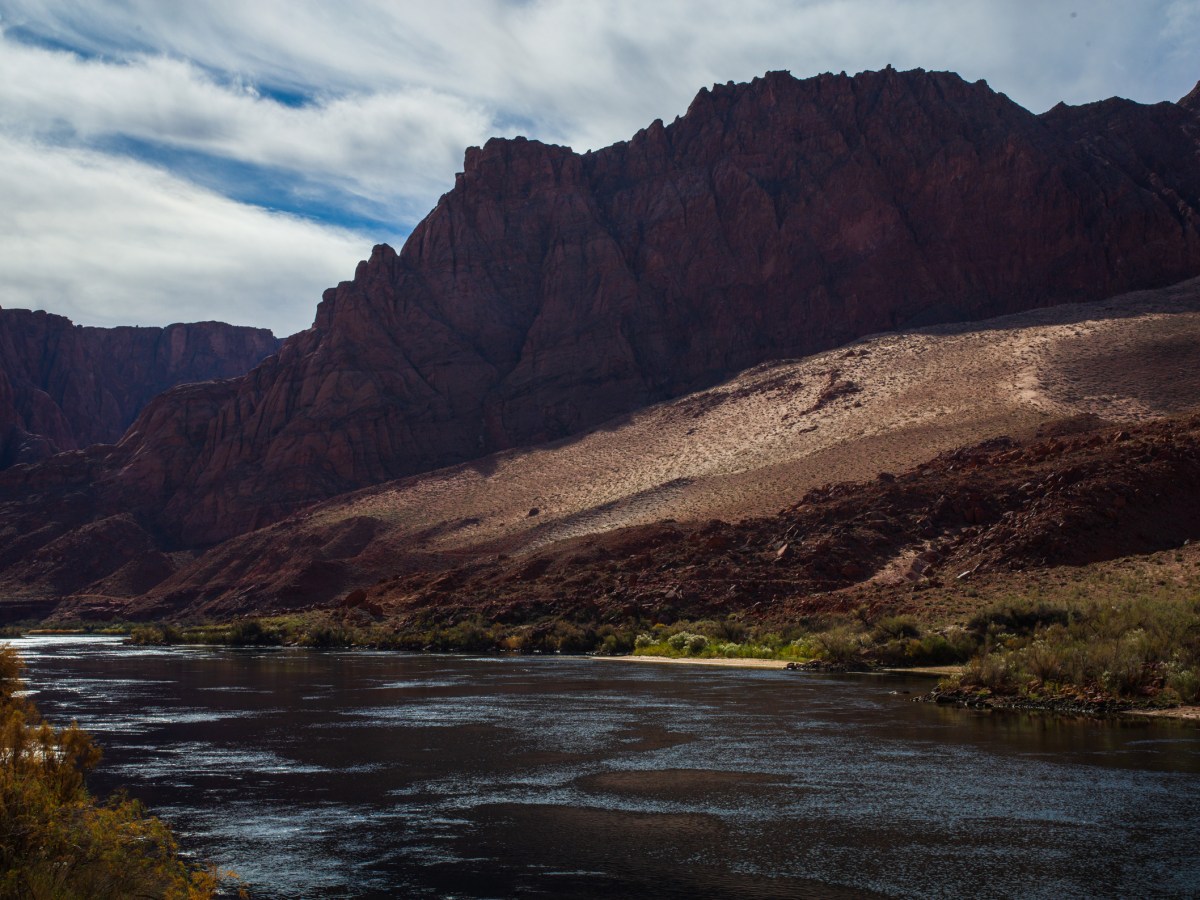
[[840, 646]]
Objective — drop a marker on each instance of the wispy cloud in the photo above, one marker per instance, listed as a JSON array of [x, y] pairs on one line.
[[387, 146], [356, 115], [112, 242]]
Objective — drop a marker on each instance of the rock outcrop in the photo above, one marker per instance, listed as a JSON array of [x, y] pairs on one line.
[[64, 387], [550, 291]]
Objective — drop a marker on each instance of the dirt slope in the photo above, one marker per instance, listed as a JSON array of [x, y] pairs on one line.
[[745, 448]]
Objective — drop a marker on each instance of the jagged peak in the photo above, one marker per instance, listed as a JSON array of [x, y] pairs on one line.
[[771, 83], [506, 148], [1191, 100]]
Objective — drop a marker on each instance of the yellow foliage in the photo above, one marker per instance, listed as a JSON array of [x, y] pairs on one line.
[[56, 840]]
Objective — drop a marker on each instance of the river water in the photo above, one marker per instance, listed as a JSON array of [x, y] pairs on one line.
[[363, 774]]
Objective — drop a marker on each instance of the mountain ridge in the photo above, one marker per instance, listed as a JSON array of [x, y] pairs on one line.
[[886, 403], [549, 292]]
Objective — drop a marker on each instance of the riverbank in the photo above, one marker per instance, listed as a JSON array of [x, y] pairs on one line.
[[740, 663], [751, 663], [1093, 657], [1179, 713]]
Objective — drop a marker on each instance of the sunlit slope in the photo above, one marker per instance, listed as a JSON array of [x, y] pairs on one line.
[[745, 447]]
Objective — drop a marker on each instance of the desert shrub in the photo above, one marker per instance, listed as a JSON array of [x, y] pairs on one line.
[[567, 637], [730, 631], [928, 650], [838, 645], [1043, 661], [895, 628], [805, 647], [326, 637], [1130, 645], [615, 644], [1125, 667], [250, 632], [1018, 617], [991, 672], [1185, 683], [56, 840], [156, 634], [687, 642]]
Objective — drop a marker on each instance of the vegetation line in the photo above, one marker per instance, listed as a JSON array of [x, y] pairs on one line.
[[1109, 647]]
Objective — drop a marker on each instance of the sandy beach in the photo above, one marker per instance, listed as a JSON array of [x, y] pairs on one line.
[[1186, 713], [746, 663]]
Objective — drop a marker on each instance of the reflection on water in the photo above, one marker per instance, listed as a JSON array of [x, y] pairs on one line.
[[359, 774]]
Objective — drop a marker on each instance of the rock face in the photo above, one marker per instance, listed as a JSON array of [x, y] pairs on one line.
[[63, 387], [550, 291]]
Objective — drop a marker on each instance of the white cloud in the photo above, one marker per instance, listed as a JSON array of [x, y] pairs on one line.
[[393, 148], [396, 90], [110, 242], [599, 68]]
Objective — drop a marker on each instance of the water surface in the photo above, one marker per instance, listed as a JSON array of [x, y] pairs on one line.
[[362, 774]]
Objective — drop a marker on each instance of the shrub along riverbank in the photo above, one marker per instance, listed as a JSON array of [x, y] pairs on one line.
[[56, 839], [1105, 636], [1143, 652], [1088, 650]]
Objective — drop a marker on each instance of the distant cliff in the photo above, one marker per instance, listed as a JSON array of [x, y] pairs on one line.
[[64, 387]]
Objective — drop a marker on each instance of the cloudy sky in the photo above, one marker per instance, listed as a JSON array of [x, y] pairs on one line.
[[228, 159]]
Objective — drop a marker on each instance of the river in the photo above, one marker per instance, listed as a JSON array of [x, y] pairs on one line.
[[371, 774]]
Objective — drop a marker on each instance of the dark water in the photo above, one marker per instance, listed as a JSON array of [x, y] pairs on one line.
[[368, 774]]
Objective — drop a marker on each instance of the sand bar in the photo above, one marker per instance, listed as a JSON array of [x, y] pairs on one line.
[[741, 663], [1186, 713]]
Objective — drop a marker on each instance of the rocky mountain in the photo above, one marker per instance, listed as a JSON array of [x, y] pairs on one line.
[[484, 530], [64, 387], [549, 292]]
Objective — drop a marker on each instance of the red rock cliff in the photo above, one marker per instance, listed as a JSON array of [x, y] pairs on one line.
[[549, 291]]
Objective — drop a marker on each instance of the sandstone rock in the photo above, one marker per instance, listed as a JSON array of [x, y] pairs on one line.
[[1192, 100]]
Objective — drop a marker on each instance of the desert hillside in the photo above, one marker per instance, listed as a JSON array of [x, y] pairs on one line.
[[745, 448]]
